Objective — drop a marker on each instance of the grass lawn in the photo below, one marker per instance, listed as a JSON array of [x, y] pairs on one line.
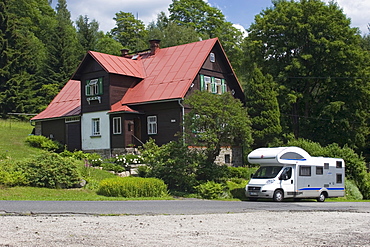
[[44, 194], [13, 133]]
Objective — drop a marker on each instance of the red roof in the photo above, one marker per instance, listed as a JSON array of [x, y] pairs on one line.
[[170, 72], [118, 107], [119, 65], [66, 103]]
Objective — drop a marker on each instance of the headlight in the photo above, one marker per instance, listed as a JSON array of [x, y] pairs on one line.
[[270, 181]]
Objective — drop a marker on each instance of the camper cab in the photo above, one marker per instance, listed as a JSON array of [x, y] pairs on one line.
[[290, 172]]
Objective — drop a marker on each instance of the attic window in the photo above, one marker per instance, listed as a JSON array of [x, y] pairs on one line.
[[212, 57], [94, 87], [212, 84]]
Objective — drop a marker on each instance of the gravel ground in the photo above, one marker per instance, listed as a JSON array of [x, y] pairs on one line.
[[261, 228]]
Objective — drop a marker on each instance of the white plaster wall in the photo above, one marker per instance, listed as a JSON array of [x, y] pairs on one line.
[[90, 142]]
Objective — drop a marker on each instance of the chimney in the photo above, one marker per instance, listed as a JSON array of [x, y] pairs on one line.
[[124, 52], [154, 46]]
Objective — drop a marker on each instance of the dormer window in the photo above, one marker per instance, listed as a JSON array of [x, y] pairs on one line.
[[212, 57]]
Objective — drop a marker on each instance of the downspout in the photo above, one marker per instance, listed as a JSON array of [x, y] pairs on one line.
[[183, 119]]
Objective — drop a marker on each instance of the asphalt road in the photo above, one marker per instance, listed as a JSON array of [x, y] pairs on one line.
[[172, 207]]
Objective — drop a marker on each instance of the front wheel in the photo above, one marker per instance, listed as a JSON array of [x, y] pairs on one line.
[[322, 197], [278, 196]]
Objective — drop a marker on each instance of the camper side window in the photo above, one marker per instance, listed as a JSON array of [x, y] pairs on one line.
[[339, 164], [305, 171], [319, 170], [339, 178], [326, 165]]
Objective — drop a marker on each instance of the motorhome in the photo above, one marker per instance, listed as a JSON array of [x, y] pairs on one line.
[[290, 172]]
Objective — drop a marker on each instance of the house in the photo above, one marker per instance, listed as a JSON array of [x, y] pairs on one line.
[[115, 102]]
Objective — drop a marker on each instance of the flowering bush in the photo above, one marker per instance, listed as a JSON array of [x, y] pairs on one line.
[[127, 160]]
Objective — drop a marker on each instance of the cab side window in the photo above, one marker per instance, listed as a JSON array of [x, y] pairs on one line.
[[287, 173]]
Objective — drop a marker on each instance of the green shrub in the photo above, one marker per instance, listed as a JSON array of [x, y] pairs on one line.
[[44, 143], [132, 187], [352, 192], [10, 175], [237, 188], [51, 170], [210, 190], [143, 171], [241, 172], [112, 167]]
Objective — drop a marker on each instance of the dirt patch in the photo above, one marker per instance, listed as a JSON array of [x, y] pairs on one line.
[[242, 229]]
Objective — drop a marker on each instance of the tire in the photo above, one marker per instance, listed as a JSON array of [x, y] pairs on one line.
[[278, 196], [322, 197]]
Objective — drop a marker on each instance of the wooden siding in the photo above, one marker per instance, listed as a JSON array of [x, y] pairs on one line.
[[93, 71], [56, 129], [169, 120]]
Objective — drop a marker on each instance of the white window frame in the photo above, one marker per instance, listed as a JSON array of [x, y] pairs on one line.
[[212, 57], [218, 86], [117, 125], [208, 83], [95, 127], [152, 125]]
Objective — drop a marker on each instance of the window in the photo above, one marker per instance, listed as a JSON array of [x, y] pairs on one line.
[[339, 178], [227, 158], [96, 127], [212, 57], [208, 83], [94, 87], [305, 171], [117, 125], [339, 164], [326, 166], [319, 170], [152, 125], [212, 84]]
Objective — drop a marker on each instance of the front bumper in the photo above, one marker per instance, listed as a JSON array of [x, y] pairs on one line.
[[261, 193]]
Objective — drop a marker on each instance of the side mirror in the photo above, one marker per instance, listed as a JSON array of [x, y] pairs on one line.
[[283, 176], [252, 175]]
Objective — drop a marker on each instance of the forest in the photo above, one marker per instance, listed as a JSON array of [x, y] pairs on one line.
[[303, 68]]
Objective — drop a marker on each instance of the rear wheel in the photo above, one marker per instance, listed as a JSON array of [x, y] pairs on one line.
[[278, 196], [322, 197]]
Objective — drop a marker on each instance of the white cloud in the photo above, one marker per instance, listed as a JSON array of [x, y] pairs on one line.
[[104, 11], [358, 11]]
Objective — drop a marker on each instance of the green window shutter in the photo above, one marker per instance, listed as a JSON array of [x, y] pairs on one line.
[[87, 88], [100, 82], [223, 84], [213, 85], [202, 86]]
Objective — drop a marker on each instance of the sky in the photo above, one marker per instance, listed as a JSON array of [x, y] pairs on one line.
[[239, 12]]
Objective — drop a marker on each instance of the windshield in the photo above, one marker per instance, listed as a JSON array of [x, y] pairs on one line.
[[267, 172]]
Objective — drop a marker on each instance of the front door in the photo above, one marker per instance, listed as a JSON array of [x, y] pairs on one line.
[[129, 127]]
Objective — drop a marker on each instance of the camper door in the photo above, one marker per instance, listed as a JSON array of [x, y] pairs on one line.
[[287, 180]]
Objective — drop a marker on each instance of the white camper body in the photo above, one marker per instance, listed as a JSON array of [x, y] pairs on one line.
[[290, 172]]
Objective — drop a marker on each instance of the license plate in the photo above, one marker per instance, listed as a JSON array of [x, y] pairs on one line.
[[253, 193]]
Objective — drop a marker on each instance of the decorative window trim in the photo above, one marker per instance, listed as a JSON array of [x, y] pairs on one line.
[[117, 125], [95, 127], [152, 125], [93, 89]]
